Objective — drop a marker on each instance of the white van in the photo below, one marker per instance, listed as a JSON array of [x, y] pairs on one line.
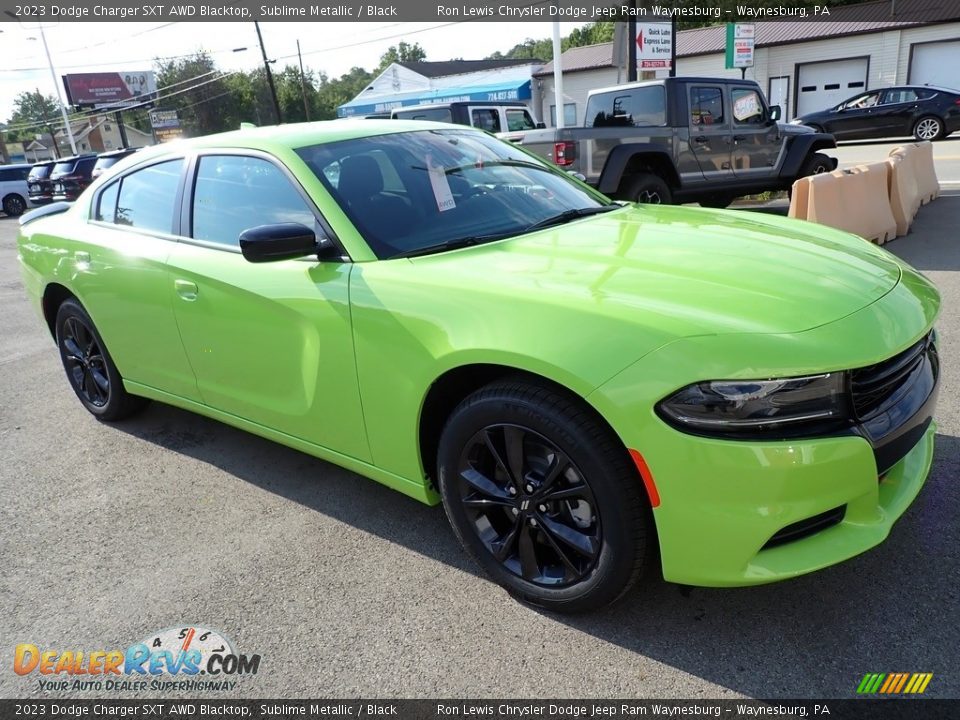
[[14, 192]]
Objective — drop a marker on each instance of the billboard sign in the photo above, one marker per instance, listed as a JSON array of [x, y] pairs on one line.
[[110, 90]]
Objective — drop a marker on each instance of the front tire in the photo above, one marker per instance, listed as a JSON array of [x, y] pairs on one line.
[[543, 497], [14, 205], [928, 128], [816, 164], [90, 370]]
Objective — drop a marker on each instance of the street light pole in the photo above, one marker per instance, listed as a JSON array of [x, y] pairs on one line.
[[266, 66], [63, 108]]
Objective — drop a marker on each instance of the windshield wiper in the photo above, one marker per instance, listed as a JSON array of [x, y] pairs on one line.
[[455, 244], [569, 215]]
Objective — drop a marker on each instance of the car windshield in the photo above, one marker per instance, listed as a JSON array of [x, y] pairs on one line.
[[39, 172], [436, 189]]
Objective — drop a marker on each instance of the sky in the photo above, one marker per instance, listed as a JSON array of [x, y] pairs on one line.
[[332, 48]]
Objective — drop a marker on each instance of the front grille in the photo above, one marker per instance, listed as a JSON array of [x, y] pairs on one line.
[[806, 528], [872, 386]]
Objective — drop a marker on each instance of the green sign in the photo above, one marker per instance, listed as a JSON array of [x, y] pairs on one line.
[[740, 39]]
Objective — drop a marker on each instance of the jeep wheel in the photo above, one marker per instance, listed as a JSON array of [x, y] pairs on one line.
[[717, 201], [648, 188], [816, 164]]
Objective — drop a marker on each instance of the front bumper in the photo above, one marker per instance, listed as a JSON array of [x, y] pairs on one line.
[[749, 512]]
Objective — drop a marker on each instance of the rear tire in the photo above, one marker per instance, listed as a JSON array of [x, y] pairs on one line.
[[89, 367], [14, 205], [649, 188], [543, 497], [928, 128], [718, 202]]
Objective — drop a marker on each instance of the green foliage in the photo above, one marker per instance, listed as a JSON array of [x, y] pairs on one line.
[[404, 52], [31, 108]]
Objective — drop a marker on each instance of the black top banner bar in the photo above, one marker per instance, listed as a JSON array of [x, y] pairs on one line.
[[716, 11], [860, 709]]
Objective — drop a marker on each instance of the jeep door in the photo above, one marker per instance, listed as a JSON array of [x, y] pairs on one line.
[[757, 142], [710, 130]]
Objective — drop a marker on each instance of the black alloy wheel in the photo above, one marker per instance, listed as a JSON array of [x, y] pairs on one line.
[[529, 505], [85, 364], [543, 496], [89, 367], [649, 189]]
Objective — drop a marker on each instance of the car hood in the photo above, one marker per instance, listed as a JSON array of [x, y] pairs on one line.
[[683, 271]]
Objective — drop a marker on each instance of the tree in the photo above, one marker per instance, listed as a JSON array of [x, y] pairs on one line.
[[402, 53], [32, 114], [194, 88]]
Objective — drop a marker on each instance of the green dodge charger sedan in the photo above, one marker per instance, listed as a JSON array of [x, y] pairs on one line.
[[589, 388]]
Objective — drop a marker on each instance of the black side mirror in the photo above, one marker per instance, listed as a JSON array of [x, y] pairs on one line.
[[775, 112], [541, 126], [282, 241]]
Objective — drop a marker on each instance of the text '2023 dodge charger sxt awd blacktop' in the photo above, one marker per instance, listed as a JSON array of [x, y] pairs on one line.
[[581, 383]]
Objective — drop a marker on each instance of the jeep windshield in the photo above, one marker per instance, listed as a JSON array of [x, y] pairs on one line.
[[411, 193]]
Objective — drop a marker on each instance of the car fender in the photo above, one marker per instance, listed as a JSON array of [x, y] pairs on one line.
[[799, 149], [619, 159]]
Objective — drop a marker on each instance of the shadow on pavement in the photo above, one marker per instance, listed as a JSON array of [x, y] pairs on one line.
[[875, 613]]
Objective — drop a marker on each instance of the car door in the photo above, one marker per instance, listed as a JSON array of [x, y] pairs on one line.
[[756, 139], [120, 273], [710, 131], [270, 342], [856, 117], [896, 112]]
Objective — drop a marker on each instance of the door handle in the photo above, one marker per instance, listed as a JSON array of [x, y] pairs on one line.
[[186, 289], [700, 139], [739, 138]]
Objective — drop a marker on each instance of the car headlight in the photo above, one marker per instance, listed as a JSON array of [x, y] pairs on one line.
[[787, 407]]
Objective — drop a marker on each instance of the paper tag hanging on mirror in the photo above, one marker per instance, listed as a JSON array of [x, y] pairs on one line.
[[441, 188]]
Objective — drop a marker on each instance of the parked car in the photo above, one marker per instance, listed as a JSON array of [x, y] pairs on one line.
[[14, 191], [589, 387], [926, 112], [71, 175], [40, 187], [688, 139], [495, 117], [109, 159]]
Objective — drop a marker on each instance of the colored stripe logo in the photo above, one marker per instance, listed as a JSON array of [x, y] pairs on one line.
[[894, 683]]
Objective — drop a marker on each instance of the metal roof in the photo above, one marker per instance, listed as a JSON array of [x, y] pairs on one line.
[[869, 17], [459, 67]]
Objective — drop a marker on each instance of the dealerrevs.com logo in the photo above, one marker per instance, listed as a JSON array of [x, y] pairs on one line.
[[191, 658]]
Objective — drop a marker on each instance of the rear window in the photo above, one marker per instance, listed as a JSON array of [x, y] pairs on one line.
[[435, 114], [104, 163], [39, 172], [64, 168], [635, 107]]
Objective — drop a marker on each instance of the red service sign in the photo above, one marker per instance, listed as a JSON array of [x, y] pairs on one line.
[[110, 89]]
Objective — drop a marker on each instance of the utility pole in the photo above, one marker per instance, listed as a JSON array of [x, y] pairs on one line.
[[673, 46], [266, 66], [557, 77], [632, 43], [303, 84]]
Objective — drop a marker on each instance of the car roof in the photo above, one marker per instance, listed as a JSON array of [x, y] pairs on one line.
[[45, 162], [118, 153], [298, 135], [16, 166], [71, 158]]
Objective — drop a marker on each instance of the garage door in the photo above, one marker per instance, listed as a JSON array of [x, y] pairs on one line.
[[936, 64], [823, 85]]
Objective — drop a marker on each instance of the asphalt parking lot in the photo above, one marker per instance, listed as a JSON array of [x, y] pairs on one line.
[[111, 532]]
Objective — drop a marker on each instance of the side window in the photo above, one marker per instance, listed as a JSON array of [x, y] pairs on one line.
[[107, 204], [148, 197], [520, 120], [233, 193], [706, 106], [893, 97], [486, 119], [747, 106]]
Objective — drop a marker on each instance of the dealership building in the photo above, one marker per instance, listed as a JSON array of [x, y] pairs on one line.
[[803, 66]]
